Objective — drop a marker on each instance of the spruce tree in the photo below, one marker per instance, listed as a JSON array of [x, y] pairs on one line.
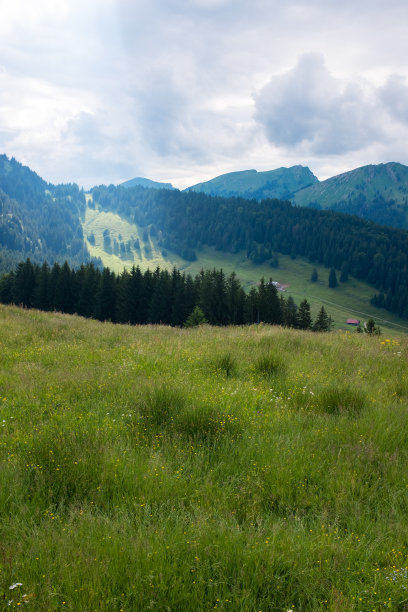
[[304, 318], [333, 279], [41, 292], [290, 313], [105, 302], [197, 317], [344, 273], [24, 284], [6, 288], [371, 328], [323, 322]]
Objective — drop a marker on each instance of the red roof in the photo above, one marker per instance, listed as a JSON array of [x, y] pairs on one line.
[[353, 322]]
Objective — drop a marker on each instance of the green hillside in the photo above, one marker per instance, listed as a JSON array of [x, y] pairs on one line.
[[37, 219], [377, 192], [348, 300], [250, 468], [281, 183]]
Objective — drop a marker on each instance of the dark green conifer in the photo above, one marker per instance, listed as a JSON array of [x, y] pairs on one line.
[[333, 279], [197, 317], [323, 322], [304, 318]]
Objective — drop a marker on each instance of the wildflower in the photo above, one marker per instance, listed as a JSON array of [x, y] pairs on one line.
[[16, 584]]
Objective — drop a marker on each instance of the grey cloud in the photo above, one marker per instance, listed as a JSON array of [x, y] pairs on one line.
[[394, 96], [85, 129], [308, 106], [161, 110]]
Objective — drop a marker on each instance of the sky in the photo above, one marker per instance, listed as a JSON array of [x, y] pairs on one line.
[[180, 91]]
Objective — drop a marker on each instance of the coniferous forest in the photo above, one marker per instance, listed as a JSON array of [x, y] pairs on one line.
[[158, 297]]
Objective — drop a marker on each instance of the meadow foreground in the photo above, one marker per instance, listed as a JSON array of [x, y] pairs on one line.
[[249, 468]]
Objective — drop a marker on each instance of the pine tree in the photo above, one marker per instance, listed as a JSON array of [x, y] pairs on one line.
[[290, 313], [315, 277], [41, 298], [323, 322], [105, 302], [333, 279], [197, 317], [251, 307], [64, 295], [122, 302], [24, 283], [371, 328], [6, 288], [304, 318], [344, 273], [159, 307], [87, 288]]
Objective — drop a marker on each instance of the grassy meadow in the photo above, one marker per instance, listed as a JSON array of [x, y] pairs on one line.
[[153, 468]]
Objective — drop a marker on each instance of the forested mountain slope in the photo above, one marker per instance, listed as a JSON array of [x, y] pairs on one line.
[[38, 219], [376, 192]]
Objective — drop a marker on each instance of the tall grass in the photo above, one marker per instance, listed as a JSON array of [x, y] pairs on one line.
[[149, 468]]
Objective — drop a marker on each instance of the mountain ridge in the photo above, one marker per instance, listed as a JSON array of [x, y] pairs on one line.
[[145, 182], [378, 192], [280, 183]]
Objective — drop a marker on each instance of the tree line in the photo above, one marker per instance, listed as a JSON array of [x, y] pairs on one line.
[[170, 298]]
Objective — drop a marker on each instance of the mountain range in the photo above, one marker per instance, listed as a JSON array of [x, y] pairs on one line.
[[377, 192]]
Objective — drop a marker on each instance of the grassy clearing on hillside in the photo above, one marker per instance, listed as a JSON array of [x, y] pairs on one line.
[[214, 468], [149, 255]]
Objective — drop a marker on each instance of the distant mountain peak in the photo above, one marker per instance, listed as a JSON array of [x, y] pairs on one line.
[[377, 191], [281, 183], [144, 182]]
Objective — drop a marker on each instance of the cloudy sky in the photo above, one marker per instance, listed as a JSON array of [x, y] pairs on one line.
[[100, 91]]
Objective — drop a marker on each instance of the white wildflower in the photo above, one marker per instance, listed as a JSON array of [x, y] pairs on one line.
[[16, 584]]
